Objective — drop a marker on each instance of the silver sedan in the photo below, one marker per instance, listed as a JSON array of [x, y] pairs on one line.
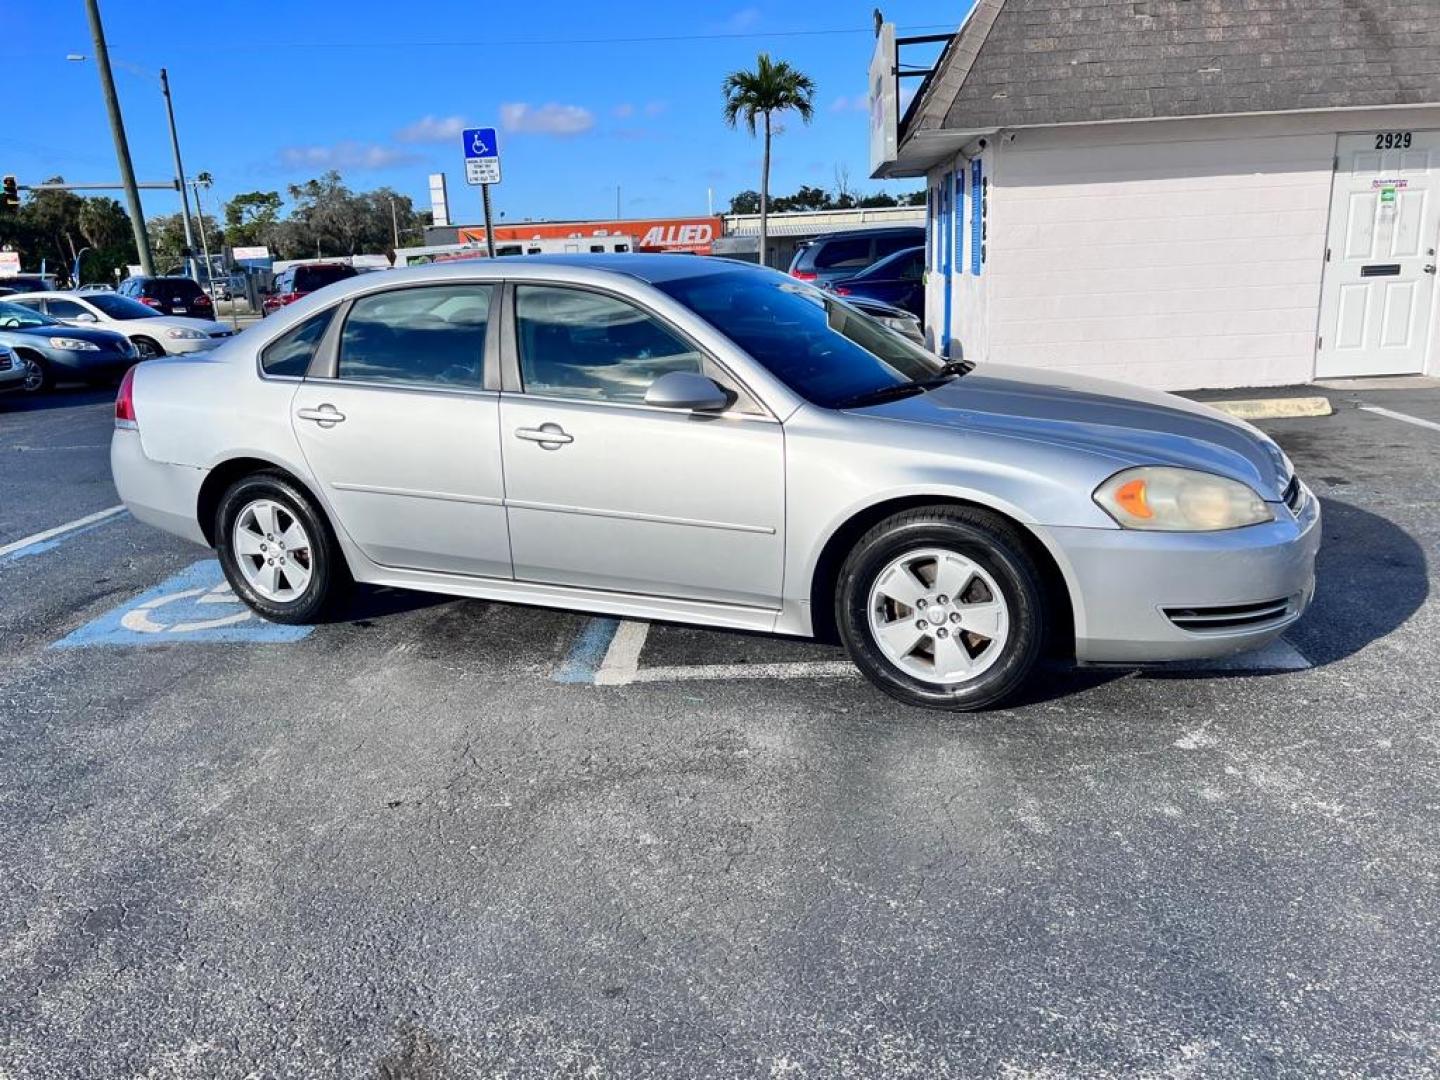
[[693, 440]]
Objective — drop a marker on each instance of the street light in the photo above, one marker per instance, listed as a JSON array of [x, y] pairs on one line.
[[175, 151]]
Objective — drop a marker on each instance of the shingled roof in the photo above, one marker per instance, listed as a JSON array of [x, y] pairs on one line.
[[1019, 63]]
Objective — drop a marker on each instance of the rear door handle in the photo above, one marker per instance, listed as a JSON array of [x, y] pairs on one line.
[[549, 436], [326, 415]]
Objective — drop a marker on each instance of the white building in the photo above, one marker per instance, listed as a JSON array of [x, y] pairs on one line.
[[1181, 193]]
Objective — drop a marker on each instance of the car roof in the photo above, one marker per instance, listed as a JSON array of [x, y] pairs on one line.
[[651, 268]]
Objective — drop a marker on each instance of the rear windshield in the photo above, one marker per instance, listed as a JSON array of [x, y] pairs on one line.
[[310, 278], [177, 288], [843, 254], [820, 347], [121, 307]]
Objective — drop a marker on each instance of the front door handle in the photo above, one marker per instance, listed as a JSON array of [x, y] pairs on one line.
[[1430, 269], [327, 416], [549, 436]]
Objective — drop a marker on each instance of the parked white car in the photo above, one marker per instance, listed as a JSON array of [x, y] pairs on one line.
[[151, 332]]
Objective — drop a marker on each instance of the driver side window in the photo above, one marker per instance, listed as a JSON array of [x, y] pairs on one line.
[[579, 344]]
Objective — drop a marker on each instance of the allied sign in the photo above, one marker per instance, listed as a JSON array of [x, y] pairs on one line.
[[9, 263], [250, 254], [697, 234], [482, 156]]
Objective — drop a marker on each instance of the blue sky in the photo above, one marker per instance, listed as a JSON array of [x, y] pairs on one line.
[[272, 94]]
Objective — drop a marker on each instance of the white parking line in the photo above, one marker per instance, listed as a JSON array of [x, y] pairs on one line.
[[59, 530], [1417, 421], [804, 669], [622, 658]]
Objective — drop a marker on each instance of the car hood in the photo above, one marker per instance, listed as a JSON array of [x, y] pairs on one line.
[[1129, 424], [107, 338]]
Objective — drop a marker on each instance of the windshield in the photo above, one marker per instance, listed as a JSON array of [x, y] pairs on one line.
[[819, 346], [13, 316], [120, 307]]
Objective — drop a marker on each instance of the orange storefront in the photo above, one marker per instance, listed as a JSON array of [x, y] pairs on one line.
[[694, 234]]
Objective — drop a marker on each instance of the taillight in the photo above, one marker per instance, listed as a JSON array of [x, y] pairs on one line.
[[125, 402], [841, 290], [201, 301], [804, 275], [291, 297], [150, 301]]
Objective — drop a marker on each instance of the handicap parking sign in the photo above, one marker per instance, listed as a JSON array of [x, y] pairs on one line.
[[482, 155], [196, 605]]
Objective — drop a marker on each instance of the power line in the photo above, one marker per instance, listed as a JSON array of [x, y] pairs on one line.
[[514, 43]]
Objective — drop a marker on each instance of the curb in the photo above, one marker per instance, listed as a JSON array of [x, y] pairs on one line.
[[1274, 408]]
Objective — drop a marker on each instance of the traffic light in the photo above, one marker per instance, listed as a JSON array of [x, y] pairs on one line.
[[11, 197]]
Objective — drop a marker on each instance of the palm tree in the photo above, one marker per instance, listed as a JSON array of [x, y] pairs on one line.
[[772, 87]]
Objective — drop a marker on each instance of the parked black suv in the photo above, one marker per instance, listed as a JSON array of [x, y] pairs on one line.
[[170, 295], [845, 254]]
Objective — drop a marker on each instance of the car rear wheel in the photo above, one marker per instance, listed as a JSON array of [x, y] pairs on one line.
[[277, 551], [38, 376], [943, 607], [147, 349]]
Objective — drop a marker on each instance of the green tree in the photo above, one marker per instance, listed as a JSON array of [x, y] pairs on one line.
[[250, 217], [771, 88], [747, 202]]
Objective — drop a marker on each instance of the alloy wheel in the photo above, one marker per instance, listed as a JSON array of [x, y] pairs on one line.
[[938, 616], [273, 550]]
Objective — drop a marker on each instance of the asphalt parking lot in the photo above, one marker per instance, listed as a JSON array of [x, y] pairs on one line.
[[449, 838]]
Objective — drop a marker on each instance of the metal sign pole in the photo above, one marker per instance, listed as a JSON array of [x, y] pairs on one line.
[[489, 225]]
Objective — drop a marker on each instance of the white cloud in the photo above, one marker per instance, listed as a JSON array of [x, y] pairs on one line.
[[858, 103], [344, 155], [623, 111], [739, 22], [655, 108], [433, 129], [523, 118]]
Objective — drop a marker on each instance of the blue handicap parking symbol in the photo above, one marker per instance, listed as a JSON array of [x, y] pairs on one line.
[[196, 605]]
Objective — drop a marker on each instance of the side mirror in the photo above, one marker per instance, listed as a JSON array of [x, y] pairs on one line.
[[85, 316], [686, 390]]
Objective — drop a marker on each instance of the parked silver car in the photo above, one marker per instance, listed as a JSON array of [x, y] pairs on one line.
[[694, 440]]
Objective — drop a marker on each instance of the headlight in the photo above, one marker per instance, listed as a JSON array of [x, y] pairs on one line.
[[73, 344], [186, 334], [1180, 500]]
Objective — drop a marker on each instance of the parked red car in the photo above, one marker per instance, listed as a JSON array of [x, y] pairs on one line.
[[297, 281]]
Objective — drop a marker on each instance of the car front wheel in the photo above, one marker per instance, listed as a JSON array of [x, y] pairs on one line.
[[37, 375], [943, 607], [277, 551]]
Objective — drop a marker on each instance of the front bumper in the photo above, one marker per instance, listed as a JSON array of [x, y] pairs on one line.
[[85, 364], [1150, 597]]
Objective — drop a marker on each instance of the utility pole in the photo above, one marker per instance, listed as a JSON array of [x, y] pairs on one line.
[[179, 175], [394, 226], [117, 131]]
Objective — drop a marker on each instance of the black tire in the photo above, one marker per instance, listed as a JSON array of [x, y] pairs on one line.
[[991, 542], [330, 579], [148, 348], [46, 378]]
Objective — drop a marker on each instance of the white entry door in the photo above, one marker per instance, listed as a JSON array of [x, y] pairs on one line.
[[1378, 297]]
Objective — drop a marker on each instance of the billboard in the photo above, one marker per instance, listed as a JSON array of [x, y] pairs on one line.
[[884, 92], [692, 234]]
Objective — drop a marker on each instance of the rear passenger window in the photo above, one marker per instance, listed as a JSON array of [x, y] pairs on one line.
[[430, 336], [888, 245], [291, 353]]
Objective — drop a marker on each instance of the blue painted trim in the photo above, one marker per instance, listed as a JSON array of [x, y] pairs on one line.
[[947, 260], [586, 654], [977, 217]]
